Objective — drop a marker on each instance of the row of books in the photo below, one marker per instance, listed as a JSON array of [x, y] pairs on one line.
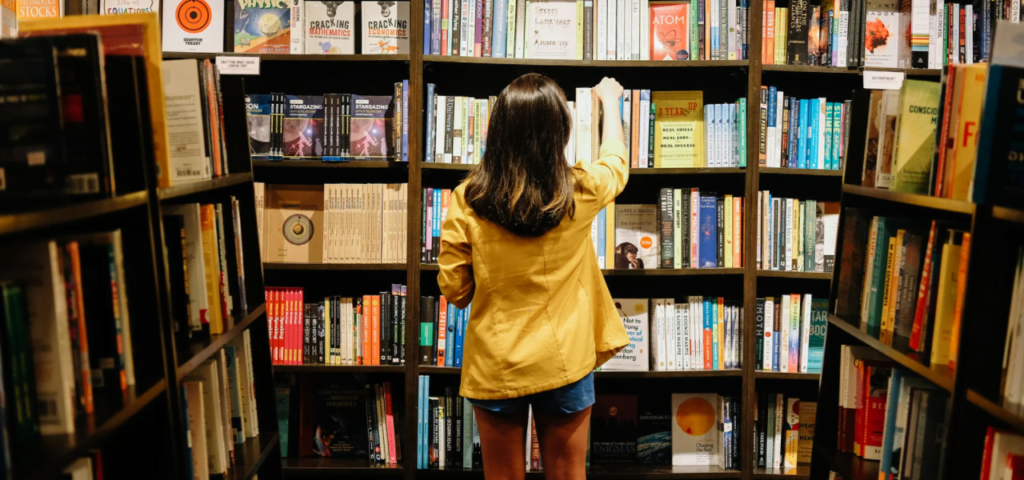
[[218, 400], [702, 333], [442, 331], [910, 295], [334, 127], [292, 27], [783, 431], [345, 422], [204, 249], [878, 33], [86, 468], [790, 333], [915, 419], [602, 30], [366, 330], [802, 133], [67, 338], [1013, 354], [446, 430], [796, 235], [1003, 456], [333, 223], [195, 113], [456, 127]]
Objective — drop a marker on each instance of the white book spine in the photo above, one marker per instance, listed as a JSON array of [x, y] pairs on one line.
[[297, 27], [731, 54], [620, 29], [769, 326], [681, 319], [612, 23], [634, 30], [645, 113], [770, 143], [969, 30], [602, 29], [821, 132], [694, 226], [660, 343], [645, 30], [788, 206], [955, 7], [670, 334], [805, 328], [780, 97], [844, 29]]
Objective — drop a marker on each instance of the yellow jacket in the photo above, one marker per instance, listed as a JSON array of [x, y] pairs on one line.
[[542, 314]]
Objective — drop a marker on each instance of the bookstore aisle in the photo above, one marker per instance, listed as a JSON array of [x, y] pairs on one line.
[[134, 342]]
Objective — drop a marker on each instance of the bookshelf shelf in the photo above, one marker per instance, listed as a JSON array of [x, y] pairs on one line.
[[671, 272], [204, 349], [809, 172], [1008, 214], [604, 472], [313, 164], [911, 72], [332, 468], [192, 188], [25, 221], [269, 57], [802, 472], [50, 454], [465, 167], [434, 370], [847, 465], [339, 368], [444, 59], [787, 375], [1003, 415], [940, 376], [934, 203], [810, 69], [688, 171], [335, 266], [787, 274], [250, 456]]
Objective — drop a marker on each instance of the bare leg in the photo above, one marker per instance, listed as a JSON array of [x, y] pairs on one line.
[[563, 444], [502, 443]]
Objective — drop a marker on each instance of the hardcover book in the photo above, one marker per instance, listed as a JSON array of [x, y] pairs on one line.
[[261, 26], [551, 30], [636, 236], [708, 231], [330, 27], [188, 25], [294, 223], [695, 429], [670, 31], [796, 38], [613, 429], [371, 128], [678, 129], [654, 429], [385, 28], [257, 115], [915, 145], [120, 7], [807, 412], [303, 127], [636, 318], [881, 33], [338, 421]]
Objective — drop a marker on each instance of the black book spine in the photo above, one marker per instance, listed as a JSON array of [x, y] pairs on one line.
[[762, 419], [665, 221], [455, 32], [426, 338], [737, 429], [759, 334], [436, 314], [319, 315], [684, 228], [435, 432], [385, 328], [457, 424], [306, 327], [371, 422], [720, 211], [650, 139], [402, 302], [395, 323], [796, 43], [448, 431], [784, 148]]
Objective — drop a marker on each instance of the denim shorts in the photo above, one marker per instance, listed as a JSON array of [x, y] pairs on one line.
[[564, 400]]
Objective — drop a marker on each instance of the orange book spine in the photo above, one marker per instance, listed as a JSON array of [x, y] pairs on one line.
[[83, 339], [770, 39], [211, 105], [442, 331], [297, 330], [367, 330], [764, 32], [375, 330], [958, 309]]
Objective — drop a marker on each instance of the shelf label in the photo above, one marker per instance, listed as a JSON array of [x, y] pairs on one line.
[[238, 65], [882, 80]]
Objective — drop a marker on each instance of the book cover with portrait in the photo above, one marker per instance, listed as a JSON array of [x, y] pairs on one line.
[[636, 236]]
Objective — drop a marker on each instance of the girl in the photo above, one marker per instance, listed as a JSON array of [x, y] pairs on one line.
[[516, 242]]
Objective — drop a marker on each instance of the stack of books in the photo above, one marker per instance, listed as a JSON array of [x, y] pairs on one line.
[[789, 333], [661, 129], [783, 431], [802, 133], [334, 127], [796, 235], [442, 332], [914, 422], [601, 30], [219, 403], [333, 223], [366, 330], [910, 295], [197, 133]]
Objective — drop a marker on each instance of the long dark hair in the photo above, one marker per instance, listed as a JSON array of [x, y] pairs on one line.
[[523, 182]]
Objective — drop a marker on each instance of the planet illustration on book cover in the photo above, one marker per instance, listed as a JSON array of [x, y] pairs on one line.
[[298, 229], [695, 416], [655, 449]]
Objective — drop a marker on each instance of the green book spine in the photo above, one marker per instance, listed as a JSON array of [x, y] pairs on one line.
[[878, 279], [510, 39]]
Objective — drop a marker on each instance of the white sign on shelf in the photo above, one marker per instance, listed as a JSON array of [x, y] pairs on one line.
[[883, 80], [238, 64]]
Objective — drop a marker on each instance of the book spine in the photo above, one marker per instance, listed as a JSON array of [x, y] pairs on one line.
[[427, 38]]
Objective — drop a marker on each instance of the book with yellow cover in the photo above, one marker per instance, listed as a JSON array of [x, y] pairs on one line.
[[946, 298], [294, 223], [136, 35], [808, 415], [678, 129], [915, 136], [965, 149], [211, 260]]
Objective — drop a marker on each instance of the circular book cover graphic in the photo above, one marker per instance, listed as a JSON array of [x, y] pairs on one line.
[[298, 229]]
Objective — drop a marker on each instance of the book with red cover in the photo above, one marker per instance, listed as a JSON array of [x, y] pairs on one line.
[[874, 395], [670, 27], [389, 414]]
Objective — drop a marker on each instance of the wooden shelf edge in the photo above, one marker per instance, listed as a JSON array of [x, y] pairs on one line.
[[218, 342], [994, 409], [442, 59], [733, 372], [632, 171], [932, 375], [325, 467], [463, 167], [630, 472], [336, 266], [339, 368], [812, 172], [911, 199], [803, 472], [787, 375], [190, 188], [246, 469], [788, 274], [11, 223], [847, 465], [1008, 214], [911, 72], [273, 57], [315, 164]]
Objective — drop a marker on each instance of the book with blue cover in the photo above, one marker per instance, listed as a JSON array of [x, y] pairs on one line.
[[708, 230], [654, 429]]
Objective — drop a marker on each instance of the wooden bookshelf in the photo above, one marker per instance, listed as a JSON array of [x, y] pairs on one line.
[[271, 57], [396, 267], [811, 172], [787, 274], [317, 164], [911, 199], [439, 59], [193, 188], [61, 216], [787, 375]]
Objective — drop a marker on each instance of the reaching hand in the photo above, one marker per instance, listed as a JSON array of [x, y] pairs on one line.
[[609, 91]]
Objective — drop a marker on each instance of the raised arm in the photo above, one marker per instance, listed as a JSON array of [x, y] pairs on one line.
[[456, 258], [611, 170]]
